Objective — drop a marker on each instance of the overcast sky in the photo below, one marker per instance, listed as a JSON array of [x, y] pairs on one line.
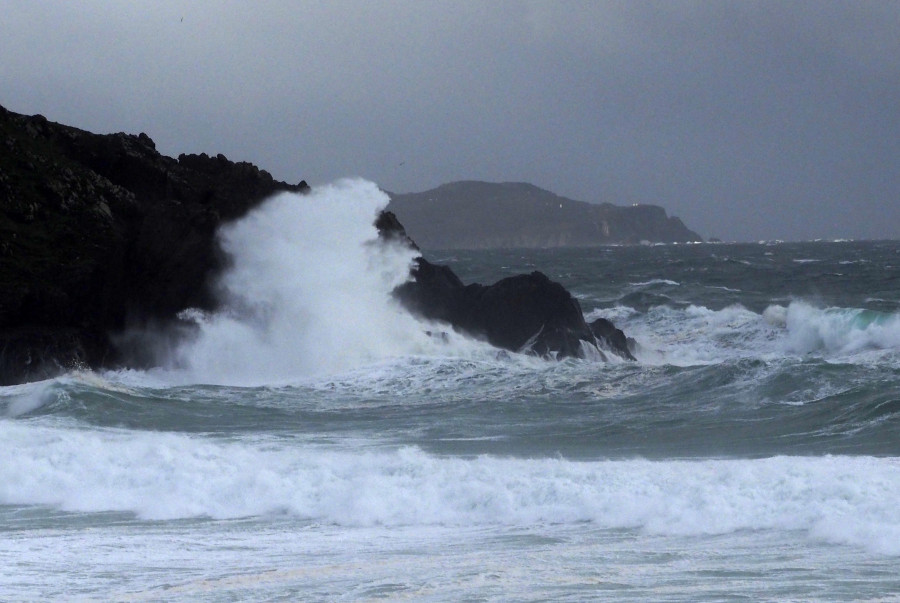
[[749, 120]]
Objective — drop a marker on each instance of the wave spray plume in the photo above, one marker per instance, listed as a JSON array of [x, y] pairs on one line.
[[308, 292]]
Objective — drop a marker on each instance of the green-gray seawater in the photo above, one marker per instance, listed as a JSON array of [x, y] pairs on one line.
[[750, 454]]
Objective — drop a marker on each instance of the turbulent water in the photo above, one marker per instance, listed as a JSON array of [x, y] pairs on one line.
[[313, 442]]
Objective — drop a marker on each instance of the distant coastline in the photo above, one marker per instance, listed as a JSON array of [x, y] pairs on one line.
[[482, 215]]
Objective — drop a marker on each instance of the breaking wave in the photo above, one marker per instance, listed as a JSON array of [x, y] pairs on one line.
[[849, 500], [308, 293]]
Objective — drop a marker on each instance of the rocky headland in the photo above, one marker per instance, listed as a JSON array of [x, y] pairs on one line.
[[488, 215], [100, 233]]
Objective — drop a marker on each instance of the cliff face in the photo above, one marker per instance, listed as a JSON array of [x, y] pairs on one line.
[[98, 231], [480, 215]]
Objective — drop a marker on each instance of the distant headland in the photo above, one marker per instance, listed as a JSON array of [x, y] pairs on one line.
[[481, 215]]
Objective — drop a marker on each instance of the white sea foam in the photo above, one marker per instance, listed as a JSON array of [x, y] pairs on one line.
[[656, 281], [776, 315], [842, 331], [616, 314], [309, 293], [849, 500], [700, 335], [17, 400]]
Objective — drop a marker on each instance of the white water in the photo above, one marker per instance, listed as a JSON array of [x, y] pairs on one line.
[[698, 335], [840, 331], [364, 479], [848, 500], [309, 293]]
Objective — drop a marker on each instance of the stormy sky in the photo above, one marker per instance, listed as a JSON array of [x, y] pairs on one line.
[[749, 120]]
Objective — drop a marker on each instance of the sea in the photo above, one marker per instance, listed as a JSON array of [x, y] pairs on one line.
[[312, 441]]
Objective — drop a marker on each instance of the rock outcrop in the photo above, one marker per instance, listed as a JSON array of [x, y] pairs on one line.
[[523, 313], [101, 231]]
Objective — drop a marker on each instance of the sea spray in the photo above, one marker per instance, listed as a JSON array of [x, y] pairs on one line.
[[308, 292], [840, 331]]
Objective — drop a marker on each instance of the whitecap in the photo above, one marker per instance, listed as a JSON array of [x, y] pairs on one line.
[[848, 500]]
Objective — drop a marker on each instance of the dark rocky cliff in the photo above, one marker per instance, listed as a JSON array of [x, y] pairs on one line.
[[100, 231], [481, 215]]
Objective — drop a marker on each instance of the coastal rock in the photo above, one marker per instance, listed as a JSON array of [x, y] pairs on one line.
[[611, 338], [522, 313], [100, 232]]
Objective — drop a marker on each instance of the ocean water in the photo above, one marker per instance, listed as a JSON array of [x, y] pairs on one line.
[[312, 441]]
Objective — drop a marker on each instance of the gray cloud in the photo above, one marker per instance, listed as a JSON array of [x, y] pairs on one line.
[[749, 120]]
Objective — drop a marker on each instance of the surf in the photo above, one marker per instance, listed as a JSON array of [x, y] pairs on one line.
[[307, 292], [165, 476]]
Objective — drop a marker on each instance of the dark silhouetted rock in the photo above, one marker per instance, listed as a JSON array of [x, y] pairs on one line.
[[101, 231], [523, 313], [610, 338]]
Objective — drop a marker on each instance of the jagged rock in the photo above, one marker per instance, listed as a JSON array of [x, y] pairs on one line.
[[610, 338], [527, 312], [390, 229], [523, 313]]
